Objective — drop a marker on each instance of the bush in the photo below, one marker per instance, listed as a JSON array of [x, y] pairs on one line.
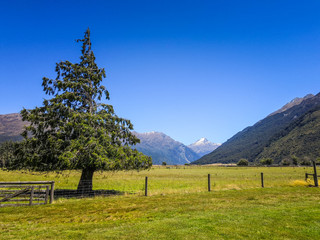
[[266, 161], [295, 160], [285, 162], [164, 164], [243, 162], [305, 161]]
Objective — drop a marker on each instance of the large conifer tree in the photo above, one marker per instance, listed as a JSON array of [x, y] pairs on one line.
[[74, 129]]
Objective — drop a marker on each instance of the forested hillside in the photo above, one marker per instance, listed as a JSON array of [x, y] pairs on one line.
[[251, 141], [300, 139]]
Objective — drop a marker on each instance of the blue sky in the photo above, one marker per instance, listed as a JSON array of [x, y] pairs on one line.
[[190, 69]]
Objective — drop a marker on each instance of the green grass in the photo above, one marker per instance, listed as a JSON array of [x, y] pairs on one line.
[[179, 206], [166, 180]]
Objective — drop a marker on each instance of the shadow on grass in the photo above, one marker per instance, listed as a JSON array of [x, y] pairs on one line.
[[71, 193]]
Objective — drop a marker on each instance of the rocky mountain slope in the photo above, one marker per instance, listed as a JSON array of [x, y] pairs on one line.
[[250, 142], [11, 126], [203, 146]]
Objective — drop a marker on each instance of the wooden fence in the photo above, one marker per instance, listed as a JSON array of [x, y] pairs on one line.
[[26, 193]]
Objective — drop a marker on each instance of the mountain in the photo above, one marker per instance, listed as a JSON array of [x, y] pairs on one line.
[[251, 141], [163, 148], [301, 139], [159, 146], [203, 146], [11, 126], [294, 102]]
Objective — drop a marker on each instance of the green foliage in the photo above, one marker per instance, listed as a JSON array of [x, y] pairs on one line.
[[266, 161], [306, 161], [243, 162], [7, 154], [295, 160], [285, 162], [164, 164], [75, 129]]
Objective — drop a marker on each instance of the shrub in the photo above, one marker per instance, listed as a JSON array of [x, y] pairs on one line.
[[243, 162], [305, 161], [266, 161], [164, 164], [295, 160], [285, 162]]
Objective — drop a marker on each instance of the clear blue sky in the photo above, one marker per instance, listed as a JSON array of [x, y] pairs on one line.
[[190, 69]]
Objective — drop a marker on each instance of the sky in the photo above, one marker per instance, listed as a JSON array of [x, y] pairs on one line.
[[189, 69]]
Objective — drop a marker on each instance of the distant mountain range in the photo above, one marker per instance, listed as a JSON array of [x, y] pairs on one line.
[[292, 130], [159, 146], [163, 148]]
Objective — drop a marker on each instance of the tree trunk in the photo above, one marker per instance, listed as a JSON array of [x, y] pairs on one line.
[[85, 183]]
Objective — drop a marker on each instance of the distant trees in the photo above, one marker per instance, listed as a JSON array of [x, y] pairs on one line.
[[295, 160], [305, 161], [74, 129], [243, 162], [266, 161], [285, 162]]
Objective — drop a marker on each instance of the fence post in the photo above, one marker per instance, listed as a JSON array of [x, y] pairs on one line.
[[262, 183], [146, 187], [31, 195], [209, 183], [52, 193], [315, 176], [306, 176]]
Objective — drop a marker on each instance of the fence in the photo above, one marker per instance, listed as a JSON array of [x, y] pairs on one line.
[[314, 174], [26, 193], [164, 180]]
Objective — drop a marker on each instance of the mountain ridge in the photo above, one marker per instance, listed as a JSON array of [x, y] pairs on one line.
[[250, 142]]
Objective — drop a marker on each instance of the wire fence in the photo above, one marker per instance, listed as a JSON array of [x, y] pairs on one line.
[[169, 180]]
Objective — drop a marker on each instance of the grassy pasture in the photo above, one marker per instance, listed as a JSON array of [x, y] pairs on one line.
[[179, 206], [172, 179]]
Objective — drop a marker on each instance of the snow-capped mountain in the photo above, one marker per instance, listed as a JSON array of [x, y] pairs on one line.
[[163, 148], [203, 146]]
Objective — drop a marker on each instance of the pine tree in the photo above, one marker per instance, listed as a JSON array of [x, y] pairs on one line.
[[75, 129]]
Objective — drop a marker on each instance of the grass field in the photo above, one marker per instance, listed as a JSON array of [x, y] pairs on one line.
[[179, 206]]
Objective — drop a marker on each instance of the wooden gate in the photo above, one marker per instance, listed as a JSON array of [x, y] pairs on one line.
[[26, 193]]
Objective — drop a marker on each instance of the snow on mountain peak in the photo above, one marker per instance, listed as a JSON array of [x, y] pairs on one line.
[[201, 141], [203, 146]]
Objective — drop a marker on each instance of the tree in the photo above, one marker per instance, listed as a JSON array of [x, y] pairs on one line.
[[266, 161], [75, 129], [295, 160], [7, 154], [164, 163], [243, 162], [285, 162]]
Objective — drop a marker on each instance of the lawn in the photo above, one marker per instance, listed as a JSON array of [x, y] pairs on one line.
[[179, 206]]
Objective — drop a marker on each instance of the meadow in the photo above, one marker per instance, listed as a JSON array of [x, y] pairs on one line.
[[178, 206]]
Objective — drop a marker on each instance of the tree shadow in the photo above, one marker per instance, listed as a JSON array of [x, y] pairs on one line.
[[72, 193]]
